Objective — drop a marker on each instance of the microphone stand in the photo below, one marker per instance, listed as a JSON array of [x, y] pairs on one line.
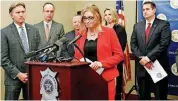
[[80, 51]]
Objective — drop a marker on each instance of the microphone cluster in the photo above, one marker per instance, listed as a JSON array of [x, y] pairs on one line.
[[48, 53]]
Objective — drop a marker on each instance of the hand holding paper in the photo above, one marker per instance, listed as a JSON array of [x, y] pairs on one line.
[[93, 65], [157, 72]]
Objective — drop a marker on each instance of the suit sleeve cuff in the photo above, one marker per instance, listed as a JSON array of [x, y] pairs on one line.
[[14, 73]]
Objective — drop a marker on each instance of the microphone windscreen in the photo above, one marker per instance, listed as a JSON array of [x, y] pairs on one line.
[[61, 41]]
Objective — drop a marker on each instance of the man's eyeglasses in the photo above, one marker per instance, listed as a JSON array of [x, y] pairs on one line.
[[49, 11], [89, 18]]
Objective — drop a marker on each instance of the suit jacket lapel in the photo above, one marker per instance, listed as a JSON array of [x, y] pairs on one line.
[[82, 42], [153, 27], [16, 33], [100, 44], [43, 33], [142, 30], [52, 30], [73, 34]]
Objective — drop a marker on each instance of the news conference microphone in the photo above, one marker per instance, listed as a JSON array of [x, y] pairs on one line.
[[33, 53], [75, 39], [54, 48], [57, 44], [30, 54], [39, 57]]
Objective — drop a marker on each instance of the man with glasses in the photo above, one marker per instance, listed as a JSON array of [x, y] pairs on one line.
[[50, 31]]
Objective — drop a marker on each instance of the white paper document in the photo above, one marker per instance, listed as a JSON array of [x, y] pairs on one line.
[[99, 71], [157, 72]]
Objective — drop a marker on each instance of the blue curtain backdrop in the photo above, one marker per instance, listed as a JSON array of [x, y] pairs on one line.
[[167, 10]]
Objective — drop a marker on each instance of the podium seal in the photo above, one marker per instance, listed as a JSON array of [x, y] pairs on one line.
[[159, 75], [48, 85]]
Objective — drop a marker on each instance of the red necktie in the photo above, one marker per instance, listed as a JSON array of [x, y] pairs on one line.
[[147, 31]]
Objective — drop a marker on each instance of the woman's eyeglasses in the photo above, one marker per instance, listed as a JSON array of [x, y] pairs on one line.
[[90, 18]]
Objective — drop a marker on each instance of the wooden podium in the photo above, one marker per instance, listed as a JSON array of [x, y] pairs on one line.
[[75, 80]]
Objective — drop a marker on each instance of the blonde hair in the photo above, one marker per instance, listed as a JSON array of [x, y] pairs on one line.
[[96, 13], [14, 5], [113, 14]]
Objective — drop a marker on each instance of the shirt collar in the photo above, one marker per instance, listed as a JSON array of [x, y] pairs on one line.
[[17, 26], [150, 22], [47, 23]]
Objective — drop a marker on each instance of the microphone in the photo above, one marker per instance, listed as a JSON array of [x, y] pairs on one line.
[[40, 56], [57, 44], [54, 48], [30, 54], [75, 39], [33, 53]]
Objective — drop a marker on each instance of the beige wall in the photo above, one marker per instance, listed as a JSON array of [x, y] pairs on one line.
[[35, 15], [63, 14]]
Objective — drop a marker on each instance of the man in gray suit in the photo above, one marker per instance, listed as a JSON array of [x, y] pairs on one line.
[[50, 31], [17, 39], [149, 42]]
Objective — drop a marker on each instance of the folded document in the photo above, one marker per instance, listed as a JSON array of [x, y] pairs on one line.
[[157, 72]]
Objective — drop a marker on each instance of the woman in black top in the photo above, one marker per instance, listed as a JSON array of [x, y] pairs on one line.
[[111, 20]]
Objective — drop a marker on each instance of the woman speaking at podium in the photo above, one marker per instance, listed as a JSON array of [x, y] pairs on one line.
[[100, 45]]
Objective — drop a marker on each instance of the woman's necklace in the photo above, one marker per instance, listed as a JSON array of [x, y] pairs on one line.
[[92, 36]]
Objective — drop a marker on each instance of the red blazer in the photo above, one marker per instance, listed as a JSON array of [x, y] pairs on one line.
[[109, 52]]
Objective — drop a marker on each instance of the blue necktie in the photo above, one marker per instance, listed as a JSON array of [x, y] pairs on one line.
[[24, 40]]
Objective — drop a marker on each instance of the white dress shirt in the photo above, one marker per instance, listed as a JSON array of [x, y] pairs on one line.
[[49, 24]]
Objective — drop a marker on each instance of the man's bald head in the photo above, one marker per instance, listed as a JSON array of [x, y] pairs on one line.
[[76, 20]]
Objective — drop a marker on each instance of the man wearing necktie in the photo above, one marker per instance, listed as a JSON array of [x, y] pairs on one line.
[[50, 31], [149, 42], [17, 39]]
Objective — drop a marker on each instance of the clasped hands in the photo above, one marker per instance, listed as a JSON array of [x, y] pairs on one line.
[[145, 62], [23, 77], [95, 65]]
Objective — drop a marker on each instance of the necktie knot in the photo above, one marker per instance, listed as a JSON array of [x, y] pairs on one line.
[[149, 24], [47, 25], [21, 28]]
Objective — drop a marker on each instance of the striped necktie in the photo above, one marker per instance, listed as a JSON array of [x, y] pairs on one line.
[[24, 40]]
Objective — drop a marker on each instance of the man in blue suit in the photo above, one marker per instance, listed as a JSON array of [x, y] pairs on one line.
[[71, 35]]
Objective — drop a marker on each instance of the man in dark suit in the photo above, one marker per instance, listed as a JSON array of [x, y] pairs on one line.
[[149, 42], [17, 39], [50, 31], [71, 35]]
